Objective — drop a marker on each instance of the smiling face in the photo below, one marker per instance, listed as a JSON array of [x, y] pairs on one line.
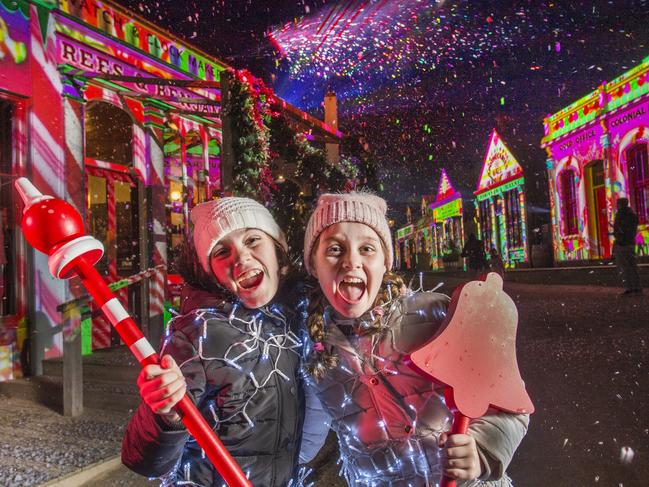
[[245, 262], [349, 262]]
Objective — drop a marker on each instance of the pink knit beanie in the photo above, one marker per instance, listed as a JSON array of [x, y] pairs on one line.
[[213, 220], [356, 207]]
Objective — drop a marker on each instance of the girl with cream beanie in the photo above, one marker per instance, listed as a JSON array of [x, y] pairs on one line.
[[236, 352]]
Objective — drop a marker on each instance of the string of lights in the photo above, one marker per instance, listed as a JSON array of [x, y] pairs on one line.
[[382, 451], [265, 337]]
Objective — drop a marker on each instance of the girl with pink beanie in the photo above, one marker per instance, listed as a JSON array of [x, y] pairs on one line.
[[392, 424], [235, 350]]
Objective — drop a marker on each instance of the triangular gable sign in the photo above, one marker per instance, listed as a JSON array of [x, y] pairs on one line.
[[499, 165], [445, 189]]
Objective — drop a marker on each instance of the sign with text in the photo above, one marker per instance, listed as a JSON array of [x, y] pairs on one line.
[[80, 56], [405, 232], [449, 210], [143, 36], [499, 165]]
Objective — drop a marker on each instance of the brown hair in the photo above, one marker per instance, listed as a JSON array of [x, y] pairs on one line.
[[322, 360]]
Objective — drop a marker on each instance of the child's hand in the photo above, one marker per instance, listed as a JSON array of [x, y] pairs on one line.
[[461, 460], [162, 387]]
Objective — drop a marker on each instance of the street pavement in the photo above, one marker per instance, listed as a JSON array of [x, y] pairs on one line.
[[582, 352]]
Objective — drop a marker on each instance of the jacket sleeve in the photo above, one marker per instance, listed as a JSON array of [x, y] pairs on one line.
[[422, 316], [316, 426], [498, 435], [152, 446]]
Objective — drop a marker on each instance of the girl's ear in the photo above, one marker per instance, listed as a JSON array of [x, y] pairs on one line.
[[283, 270]]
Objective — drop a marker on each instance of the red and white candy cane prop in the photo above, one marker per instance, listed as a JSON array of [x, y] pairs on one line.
[[474, 355], [55, 228]]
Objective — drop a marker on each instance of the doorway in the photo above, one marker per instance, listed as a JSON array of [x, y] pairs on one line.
[[112, 206], [598, 222]]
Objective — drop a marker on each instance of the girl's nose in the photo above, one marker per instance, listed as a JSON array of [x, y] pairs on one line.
[[241, 256], [352, 260]]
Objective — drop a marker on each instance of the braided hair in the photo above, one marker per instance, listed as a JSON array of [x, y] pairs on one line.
[[322, 359]]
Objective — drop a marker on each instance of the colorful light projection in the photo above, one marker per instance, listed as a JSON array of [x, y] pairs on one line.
[[448, 226], [14, 42], [500, 204], [592, 140], [145, 37], [606, 98]]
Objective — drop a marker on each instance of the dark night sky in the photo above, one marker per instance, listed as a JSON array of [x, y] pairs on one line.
[[538, 56]]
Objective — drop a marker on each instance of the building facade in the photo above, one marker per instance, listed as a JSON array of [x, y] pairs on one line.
[[597, 153], [435, 241], [122, 119], [500, 204]]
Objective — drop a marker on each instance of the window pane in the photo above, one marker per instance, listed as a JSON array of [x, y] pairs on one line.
[[127, 235], [98, 215]]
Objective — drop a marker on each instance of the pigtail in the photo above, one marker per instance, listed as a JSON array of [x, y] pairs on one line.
[[322, 360]]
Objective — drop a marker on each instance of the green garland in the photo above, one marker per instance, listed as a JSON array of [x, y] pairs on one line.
[[250, 136]]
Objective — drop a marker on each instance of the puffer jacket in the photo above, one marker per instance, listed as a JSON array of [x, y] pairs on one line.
[[388, 417], [242, 372]]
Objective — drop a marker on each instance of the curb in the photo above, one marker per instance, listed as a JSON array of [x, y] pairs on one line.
[[86, 474]]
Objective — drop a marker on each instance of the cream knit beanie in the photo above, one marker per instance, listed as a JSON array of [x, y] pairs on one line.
[[356, 207], [213, 220]]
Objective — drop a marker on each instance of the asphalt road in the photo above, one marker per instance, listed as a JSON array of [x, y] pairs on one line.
[[582, 352]]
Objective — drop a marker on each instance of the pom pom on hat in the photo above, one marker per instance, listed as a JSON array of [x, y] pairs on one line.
[[359, 207], [215, 219]]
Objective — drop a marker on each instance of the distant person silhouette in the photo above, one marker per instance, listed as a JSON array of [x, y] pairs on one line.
[[625, 228], [474, 252], [496, 262]]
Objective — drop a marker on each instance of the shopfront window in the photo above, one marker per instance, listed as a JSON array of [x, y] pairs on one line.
[[638, 164], [514, 218], [568, 197], [109, 133], [7, 244]]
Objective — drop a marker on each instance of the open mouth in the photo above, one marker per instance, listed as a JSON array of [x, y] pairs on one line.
[[250, 279], [351, 289]]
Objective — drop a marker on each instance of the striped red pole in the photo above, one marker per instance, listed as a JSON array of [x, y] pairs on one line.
[[55, 227]]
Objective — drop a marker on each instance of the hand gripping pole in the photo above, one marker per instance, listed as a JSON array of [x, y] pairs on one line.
[[55, 228]]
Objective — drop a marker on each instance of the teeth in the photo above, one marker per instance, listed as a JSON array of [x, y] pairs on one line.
[[353, 280], [249, 275]]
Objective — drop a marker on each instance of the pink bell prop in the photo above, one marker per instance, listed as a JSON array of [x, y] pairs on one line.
[[55, 228], [474, 356]]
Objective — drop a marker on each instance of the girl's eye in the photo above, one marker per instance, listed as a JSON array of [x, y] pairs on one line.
[[334, 250], [252, 240], [367, 249], [221, 253]]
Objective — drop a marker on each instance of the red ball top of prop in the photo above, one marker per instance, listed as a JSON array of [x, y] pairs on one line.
[[47, 222]]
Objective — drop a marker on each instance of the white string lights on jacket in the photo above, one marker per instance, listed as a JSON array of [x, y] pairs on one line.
[[256, 343]]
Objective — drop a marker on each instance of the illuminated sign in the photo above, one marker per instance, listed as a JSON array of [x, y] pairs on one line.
[[629, 116], [448, 210], [83, 57], [405, 232], [113, 21], [445, 189], [499, 165], [500, 189]]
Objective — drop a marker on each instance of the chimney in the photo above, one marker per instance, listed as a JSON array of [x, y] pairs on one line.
[[331, 119]]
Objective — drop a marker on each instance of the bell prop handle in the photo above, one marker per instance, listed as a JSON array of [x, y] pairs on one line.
[[460, 427], [55, 228]]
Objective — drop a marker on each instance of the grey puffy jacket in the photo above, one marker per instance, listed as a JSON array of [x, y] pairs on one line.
[[387, 417], [242, 371]]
